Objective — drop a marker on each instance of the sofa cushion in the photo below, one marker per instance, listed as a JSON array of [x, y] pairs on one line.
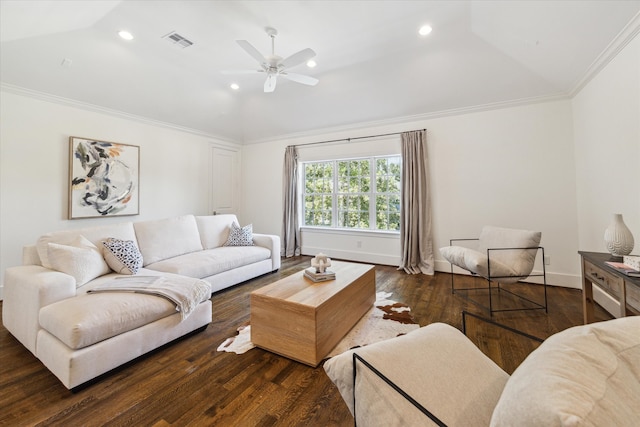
[[80, 259], [122, 256], [87, 319], [214, 229], [436, 365], [584, 376], [240, 236], [94, 234], [208, 262], [167, 238]]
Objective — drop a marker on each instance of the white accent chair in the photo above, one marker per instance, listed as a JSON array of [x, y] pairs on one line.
[[583, 376], [503, 256]]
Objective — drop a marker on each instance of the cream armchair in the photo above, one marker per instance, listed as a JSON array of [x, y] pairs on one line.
[[583, 376], [503, 256]]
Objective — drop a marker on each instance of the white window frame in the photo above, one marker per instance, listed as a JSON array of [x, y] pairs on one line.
[[372, 193]]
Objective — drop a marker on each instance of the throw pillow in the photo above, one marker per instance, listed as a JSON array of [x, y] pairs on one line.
[[123, 256], [80, 259], [240, 236]]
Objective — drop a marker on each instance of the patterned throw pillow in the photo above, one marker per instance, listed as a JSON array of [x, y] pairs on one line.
[[240, 236], [123, 256]]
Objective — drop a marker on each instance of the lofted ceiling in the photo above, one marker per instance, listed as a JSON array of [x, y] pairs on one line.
[[372, 65]]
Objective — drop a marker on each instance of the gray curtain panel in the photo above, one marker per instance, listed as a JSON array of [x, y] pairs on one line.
[[416, 242], [290, 226]]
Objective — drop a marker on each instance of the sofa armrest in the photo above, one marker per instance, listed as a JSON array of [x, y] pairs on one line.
[[436, 365], [271, 242], [27, 289], [30, 255]]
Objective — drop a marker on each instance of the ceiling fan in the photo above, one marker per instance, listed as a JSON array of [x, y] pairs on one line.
[[274, 66]]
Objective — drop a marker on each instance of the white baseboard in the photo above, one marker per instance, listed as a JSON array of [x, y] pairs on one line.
[[359, 256]]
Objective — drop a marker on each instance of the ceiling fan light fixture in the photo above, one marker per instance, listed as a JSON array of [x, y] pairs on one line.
[[311, 63], [126, 35], [425, 30], [234, 86], [274, 65]]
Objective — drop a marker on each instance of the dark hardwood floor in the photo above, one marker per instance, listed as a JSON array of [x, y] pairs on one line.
[[190, 383]]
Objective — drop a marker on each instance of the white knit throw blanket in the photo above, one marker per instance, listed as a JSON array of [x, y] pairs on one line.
[[185, 292]]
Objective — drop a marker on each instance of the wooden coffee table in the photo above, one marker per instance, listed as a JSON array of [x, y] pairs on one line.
[[303, 320]]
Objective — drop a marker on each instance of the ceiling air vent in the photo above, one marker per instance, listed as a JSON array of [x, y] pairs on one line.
[[177, 39]]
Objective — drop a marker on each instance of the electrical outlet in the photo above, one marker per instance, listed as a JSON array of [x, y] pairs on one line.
[[547, 260], [359, 244]]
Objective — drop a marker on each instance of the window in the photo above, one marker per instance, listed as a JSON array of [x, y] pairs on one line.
[[354, 193]]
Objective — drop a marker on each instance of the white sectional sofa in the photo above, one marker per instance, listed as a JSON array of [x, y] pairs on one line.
[[79, 334]]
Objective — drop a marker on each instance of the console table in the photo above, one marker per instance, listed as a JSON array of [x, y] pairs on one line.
[[595, 271]]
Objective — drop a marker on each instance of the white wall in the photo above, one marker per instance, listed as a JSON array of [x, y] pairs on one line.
[[512, 167], [34, 160], [606, 118]]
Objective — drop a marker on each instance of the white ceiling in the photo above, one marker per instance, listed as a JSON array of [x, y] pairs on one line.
[[372, 64]]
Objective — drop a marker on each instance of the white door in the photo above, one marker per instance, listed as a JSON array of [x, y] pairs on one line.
[[224, 181]]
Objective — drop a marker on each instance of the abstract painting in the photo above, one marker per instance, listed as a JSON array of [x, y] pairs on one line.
[[103, 178]]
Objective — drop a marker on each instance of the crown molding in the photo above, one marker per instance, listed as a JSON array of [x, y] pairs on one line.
[[43, 96], [624, 37]]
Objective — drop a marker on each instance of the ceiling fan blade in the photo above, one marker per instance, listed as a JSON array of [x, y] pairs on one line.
[[298, 58], [300, 78], [241, 71], [270, 83], [248, 47]]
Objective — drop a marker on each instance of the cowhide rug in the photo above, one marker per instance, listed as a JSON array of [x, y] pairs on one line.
[[387, 319]]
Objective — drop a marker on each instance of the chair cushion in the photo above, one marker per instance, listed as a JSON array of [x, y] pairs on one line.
[[584, 376], [509, 262], [520, 261], [475, 261], [436, 365]]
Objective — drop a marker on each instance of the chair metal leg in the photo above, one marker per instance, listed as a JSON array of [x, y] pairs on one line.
[[499, 288], [453, 290], [508, 328], [490, 299]]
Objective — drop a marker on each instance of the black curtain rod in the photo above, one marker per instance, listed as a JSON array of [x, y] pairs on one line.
[[352, 139]]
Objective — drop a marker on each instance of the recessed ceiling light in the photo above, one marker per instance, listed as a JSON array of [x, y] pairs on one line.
[[311, 63], [234, 86], [125, 35], [424, 30]]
